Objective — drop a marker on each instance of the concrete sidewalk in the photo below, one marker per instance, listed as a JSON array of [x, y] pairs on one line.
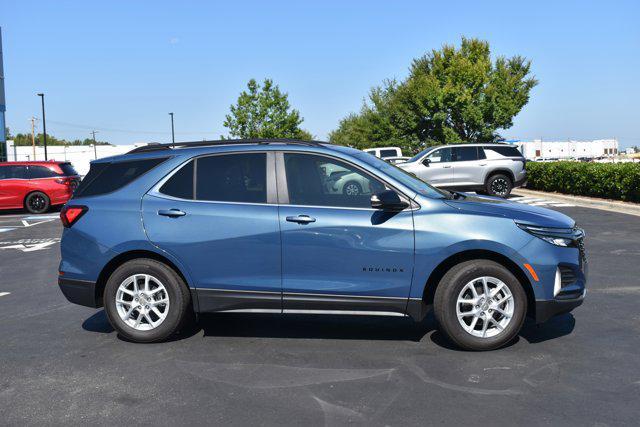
[[586, 202]]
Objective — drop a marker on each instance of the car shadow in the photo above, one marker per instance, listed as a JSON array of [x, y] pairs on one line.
[[334, 327], [52, 210], [98, 322], [314, 327], [555, 327]]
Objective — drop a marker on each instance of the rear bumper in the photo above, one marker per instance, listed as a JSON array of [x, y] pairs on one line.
[[546, 309], [80, 292], [521, 182]]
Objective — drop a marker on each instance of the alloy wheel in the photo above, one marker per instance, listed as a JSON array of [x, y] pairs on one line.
[[142, 302], [500, 187], [485, 307]]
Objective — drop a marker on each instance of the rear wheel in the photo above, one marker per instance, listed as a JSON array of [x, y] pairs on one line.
[[146, 300], [37, 202], [499, 185], [480, 305]]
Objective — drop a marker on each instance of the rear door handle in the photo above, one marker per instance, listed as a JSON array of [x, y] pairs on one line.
[[301, 219], [173, 213], [483, 164]]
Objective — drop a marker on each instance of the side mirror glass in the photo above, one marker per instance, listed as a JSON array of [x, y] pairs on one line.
[[426, 162], [388, 200]]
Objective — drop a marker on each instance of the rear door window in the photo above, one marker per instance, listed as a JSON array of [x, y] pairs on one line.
[[240, 178], [36, 172], [108, 177], [465, 154]]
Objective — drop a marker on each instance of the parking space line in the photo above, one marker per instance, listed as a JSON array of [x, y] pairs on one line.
[[2, 294]]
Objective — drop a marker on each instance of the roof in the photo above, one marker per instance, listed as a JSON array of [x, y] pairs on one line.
[[257, 141], [33, 162]]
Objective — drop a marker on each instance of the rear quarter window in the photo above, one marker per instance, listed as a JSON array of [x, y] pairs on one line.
[[498, 152], [67, 169], [108, 177]]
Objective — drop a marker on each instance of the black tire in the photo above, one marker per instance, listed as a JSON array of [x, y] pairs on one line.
[[499, 185], [355, 186], [37, 202], [180, 311], [446, 297]]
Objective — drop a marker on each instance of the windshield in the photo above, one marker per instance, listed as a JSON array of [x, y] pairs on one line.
[[420, 154], [401, 176]]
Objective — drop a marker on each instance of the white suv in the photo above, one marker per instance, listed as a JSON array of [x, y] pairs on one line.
[[492, 169]]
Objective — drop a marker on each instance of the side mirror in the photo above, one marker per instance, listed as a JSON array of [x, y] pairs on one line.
[[388, 200], [426, 162]]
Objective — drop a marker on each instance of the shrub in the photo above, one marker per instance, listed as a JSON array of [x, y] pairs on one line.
[[620, 181]]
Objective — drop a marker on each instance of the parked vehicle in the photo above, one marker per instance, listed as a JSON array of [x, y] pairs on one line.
[[493, 169], [161, 233], [397, 159], [36, 186], [384, 152]]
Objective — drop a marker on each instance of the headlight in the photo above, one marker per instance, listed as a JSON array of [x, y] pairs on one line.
[[565, 237]]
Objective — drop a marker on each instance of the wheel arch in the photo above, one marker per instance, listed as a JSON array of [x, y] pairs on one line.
[[469, 255], [121, 258], [30, 192], [501, 171]]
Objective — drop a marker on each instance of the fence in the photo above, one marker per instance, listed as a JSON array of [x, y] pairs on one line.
[[78, 155]]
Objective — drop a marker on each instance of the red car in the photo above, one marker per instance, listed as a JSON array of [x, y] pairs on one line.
[[36, 186]]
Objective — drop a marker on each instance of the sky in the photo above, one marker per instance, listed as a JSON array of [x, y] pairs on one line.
[[119, 67]]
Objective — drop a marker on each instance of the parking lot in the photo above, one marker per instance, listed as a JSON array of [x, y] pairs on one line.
[[64, 363]]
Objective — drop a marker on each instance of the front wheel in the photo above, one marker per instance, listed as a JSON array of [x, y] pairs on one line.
[[352, 188], [480, 305], [146, 300]]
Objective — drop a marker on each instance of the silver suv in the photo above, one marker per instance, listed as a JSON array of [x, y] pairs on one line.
[[492, 169]]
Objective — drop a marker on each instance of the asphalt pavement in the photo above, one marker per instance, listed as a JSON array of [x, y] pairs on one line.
[[62, 363]]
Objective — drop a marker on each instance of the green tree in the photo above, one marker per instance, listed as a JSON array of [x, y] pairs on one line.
[[22, 139], [451, 95], [264, 112]]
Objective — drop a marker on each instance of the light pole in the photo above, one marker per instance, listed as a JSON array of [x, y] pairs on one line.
[[44, 127], [95, 151], [173, 135]]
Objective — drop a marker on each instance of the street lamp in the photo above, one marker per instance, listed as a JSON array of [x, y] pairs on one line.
[[44, 127], [173, 136]]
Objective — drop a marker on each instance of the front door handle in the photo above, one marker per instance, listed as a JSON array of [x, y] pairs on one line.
[[483, 164], [446, 167], [173, 213], [301, 219]]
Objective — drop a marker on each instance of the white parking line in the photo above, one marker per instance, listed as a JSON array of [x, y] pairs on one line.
[[4, 293]]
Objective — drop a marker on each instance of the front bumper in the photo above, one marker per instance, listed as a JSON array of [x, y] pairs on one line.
[[80, 292], [546, 309]]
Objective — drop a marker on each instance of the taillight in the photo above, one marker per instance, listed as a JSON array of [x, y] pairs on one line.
[[70, 214], [65, 181]]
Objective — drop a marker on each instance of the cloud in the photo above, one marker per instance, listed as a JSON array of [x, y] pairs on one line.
[[174, 40]]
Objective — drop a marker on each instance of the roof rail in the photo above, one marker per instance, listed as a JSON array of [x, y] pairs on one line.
[[168, 146]]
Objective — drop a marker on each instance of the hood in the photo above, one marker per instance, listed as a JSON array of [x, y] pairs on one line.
[[495, 206]]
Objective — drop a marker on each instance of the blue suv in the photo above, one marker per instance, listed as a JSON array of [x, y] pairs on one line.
[[281, 226]]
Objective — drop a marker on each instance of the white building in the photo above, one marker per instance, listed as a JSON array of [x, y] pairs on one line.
[[78, 155], [568, 149]]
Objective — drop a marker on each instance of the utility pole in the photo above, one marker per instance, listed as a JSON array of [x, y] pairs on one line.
[[95, 152], [173, 135], [44, 127], [33, 136]]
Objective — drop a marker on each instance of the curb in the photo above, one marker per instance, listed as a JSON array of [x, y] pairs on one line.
[[585, 202]]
